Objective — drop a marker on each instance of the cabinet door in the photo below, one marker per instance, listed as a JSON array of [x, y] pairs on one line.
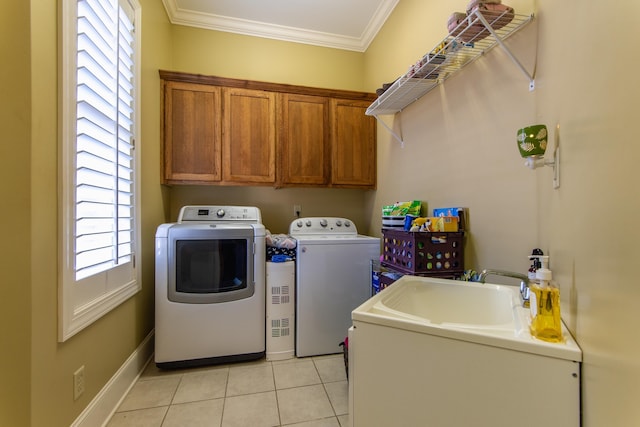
[[353, 145], [192, 133], [249, 136], [304, 156]]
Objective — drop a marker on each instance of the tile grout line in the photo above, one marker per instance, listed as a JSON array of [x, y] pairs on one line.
[[224, 398], [324, 387], [164, 417], [275, 392], [226, 385]]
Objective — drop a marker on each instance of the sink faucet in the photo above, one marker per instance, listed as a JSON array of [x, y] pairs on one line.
[[524, 281]]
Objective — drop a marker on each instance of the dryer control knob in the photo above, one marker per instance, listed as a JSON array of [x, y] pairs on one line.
[[323, 222], [299, 224], [339, 223], [220, 213], [308, 223], [347, 224]]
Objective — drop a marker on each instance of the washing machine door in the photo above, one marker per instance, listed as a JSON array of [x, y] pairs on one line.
[[210, 263]]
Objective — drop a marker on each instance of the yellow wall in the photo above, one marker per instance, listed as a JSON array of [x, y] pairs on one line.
[[460, 149], [589, 86], [15, 169], [459, 140], [36, 389], [244, 57]]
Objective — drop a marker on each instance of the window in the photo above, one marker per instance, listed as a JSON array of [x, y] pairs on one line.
[[100, 238]]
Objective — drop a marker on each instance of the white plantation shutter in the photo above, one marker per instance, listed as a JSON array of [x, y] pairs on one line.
[[99, 161], [104, 150]]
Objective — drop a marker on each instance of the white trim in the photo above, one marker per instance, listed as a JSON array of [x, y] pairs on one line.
[[377, 21], [81, 317], [68, 47], [80, 303], [104, 405], [279, 32]]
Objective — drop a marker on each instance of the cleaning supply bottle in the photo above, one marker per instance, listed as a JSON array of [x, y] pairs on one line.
[[532, 270], [546, 323], [535, 263]]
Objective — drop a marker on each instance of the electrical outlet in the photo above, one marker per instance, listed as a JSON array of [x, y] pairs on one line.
[[78, 383], [297, 210]]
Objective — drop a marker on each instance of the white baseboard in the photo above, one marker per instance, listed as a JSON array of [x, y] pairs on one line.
[[102, 407]]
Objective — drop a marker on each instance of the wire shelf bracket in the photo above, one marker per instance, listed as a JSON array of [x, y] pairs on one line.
[[507, 51], [398, 137]]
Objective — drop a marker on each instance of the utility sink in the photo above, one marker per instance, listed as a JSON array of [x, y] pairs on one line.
[[451, 304], [437, 352], [484, 313]]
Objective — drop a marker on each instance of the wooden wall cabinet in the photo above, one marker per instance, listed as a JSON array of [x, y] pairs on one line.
[[249, 136], [191, 133], [304, 141], [353, 144], [327, 142], [239, 132]]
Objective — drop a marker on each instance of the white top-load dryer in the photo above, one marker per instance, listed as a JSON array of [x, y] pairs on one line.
[[333, 277]]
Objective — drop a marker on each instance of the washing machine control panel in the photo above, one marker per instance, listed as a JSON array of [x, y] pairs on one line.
[[322, 225]]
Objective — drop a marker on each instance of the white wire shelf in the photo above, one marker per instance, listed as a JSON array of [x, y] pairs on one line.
[[472, 38]]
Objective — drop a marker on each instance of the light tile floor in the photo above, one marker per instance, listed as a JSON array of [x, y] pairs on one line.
[[305, 392]]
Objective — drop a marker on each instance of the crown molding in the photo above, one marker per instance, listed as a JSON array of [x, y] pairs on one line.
[[209, 21]]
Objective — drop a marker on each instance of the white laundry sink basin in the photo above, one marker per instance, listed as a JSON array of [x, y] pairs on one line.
[[454, 304], [482, 313]]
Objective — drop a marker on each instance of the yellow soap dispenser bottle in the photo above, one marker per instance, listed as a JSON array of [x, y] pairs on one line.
[[546, 323]]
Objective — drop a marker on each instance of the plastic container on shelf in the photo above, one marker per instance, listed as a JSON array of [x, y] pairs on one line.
[[428, 253]]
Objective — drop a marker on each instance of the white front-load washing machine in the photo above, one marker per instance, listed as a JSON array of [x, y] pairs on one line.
[[333, 277], [210, 287]]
